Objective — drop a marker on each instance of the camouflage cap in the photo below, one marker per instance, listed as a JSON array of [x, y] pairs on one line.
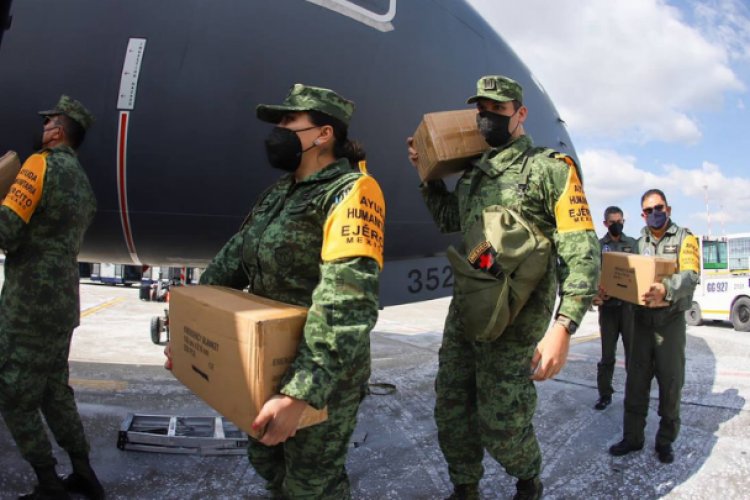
[[307, 98], [498, 88], [72, 109]]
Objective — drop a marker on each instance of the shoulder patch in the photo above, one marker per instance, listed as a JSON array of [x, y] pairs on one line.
[[689, 259], [572, 209], [563, 157], [355, 225], [26, 191]]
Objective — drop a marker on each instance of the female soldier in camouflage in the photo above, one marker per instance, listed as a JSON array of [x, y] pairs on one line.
[[315, 239]]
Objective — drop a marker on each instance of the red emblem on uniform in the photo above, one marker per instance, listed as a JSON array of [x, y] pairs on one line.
[[485, 261]]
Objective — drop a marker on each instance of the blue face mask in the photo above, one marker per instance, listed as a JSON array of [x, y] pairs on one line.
[[656, 220]]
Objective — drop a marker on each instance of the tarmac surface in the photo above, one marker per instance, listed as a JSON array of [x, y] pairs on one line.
[[116, 370]]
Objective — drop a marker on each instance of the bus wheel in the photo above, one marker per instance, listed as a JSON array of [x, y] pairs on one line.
[[693, 316], [156, 330], [741, 314]]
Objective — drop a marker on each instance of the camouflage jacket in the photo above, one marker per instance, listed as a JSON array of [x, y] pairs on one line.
[[553, 200], [677, 243], [624, 244], [278, 253], [40, 293]]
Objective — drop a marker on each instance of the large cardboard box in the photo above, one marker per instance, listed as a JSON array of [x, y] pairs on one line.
[[10, 165], [445, 141], [232, 348], [628, 276]]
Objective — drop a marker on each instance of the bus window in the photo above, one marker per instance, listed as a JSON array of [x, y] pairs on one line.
[[739, 249], [715, 255]]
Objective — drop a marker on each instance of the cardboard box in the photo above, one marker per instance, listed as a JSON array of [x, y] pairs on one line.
[[10, 165], [445, 141], [628, 276], [232, 348]]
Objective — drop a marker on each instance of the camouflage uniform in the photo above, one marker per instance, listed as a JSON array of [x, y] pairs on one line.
[[485, 398], [658, 346], [615, 318], [40, 302], [277, 254]]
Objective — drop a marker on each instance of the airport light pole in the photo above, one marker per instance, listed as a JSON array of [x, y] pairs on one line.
[[708, 213]]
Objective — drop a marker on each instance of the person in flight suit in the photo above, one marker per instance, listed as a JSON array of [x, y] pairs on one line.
[[314, 239], [43, 219], [658, 344], [485, 394], [615, 316]]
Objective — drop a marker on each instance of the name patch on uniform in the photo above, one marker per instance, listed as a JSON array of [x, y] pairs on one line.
[[26, 191], [690, 255], [670, 248], [355, 226], [572, 209]]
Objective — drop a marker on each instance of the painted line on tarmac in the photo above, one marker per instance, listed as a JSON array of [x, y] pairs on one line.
[[101, 385], [587, 338], [96, 309]]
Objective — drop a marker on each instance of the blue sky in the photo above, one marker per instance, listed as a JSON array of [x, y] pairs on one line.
[[655, 93]]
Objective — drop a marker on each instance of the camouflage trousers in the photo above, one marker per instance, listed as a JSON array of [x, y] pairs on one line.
[[485, 400], [34, 382], [312, 463]]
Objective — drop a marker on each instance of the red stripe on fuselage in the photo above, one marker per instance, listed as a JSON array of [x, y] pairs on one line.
[[122, 142]]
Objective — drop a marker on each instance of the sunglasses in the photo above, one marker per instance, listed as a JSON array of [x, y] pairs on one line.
[[649, 210]]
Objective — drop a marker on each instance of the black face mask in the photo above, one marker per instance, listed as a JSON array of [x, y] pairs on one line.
[[615, 229], [284, 149], [494, 128]]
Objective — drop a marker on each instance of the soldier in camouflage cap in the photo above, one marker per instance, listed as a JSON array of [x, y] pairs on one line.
[[73, 109], [42, 222], [485, 395], [497, 88], [306, 98], [315, 239]]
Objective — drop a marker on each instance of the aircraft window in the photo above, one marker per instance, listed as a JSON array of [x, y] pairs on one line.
[[376, 6], [377, 14]]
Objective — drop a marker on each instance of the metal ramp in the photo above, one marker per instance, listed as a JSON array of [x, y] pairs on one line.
[[183, 435]]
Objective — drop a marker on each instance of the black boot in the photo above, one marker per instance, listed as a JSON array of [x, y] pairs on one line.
[[623, 448], [49, 488], [529, 489], [83, 479], [665, 453], [465, 492]]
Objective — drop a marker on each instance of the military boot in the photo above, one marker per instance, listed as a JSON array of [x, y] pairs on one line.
[[465, 492], [83, 480], [529, 489], [49, 488]]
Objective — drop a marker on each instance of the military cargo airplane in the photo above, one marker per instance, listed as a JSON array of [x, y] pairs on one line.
[[175, 156]]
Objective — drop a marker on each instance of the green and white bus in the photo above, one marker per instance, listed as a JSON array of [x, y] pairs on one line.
[[723, 293]]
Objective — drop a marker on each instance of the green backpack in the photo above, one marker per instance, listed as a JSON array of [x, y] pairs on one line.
[[502, 259]]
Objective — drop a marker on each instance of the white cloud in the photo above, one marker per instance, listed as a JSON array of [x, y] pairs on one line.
[[726, 22], [614, 179], [728, 196], [629, 69]]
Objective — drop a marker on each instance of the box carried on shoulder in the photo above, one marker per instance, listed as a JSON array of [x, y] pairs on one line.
[[446, 141]]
